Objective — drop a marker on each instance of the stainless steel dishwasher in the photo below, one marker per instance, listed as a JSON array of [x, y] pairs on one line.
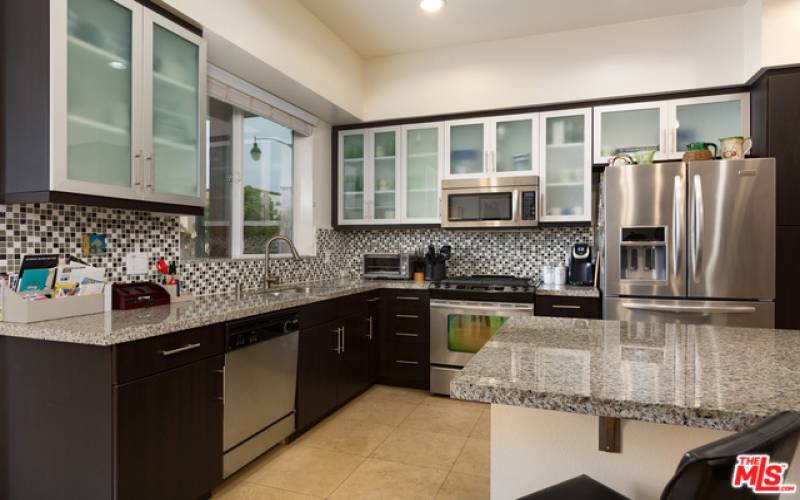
[[260, 382]]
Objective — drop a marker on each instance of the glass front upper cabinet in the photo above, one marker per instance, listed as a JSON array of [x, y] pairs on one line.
[[423, 153], [565, 166], [352, 162], [384, 175], [496, 146], [176, 100], [627, 128], [708, 119], [101, 68]]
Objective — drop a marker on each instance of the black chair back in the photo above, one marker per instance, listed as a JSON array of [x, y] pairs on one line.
[[706, 472]]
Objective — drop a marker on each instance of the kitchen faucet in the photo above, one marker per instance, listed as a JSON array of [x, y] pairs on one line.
[[267, 280]]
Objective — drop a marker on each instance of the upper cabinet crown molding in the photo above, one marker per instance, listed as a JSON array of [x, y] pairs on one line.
[[125, 124]]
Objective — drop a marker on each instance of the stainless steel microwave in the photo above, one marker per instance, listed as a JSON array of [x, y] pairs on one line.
[[387, 266], [491, 202]]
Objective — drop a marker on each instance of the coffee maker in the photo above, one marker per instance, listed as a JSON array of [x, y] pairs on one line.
[[581, 267]]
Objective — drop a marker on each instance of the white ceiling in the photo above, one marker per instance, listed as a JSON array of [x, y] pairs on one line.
[[376, 28]]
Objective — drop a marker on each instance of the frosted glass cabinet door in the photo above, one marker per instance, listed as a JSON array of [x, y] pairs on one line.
[[514, 145], [466, 149], [422, 164], [565, 167], [174, 156], [384, 175], [628, 128], [352, 176], [100, 71], [707, 119]]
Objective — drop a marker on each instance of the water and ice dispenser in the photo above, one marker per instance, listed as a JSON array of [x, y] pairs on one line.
[[643, 253]]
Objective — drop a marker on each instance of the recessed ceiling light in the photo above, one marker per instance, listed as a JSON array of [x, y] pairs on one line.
[[431, 5], [118, 65]]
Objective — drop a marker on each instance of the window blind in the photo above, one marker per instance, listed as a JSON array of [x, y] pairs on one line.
[[246, 96]]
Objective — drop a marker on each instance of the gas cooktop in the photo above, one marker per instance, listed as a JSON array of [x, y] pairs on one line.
[[492, 288]]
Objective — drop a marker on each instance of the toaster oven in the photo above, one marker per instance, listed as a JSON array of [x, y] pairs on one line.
[[387, 266]]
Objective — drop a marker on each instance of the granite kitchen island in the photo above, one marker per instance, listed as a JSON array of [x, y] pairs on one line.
[[621, 401]]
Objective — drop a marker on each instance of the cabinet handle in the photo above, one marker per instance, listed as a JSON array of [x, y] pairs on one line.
[[406, 297], [404, 334], [338, 348], [187, 347], [405, 362], [343, 337], [374, 299], [151, 158], [137, 160], [369, 335], [560, 306], [407, 316]]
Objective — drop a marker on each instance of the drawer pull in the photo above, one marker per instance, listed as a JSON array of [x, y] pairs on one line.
[[559, 306], [404, 362], [404, 334], [406, 297], [407, 316], [374, 299], [187, 347]]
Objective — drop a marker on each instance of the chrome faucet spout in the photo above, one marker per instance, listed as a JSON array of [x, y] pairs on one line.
[[268, 281]]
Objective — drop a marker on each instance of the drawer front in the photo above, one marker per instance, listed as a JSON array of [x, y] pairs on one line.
[[319, 313], [142, 358], [410, 322], [567, 307], [407, 299], [407, 364]]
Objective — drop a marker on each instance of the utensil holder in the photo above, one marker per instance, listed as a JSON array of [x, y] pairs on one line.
[[18, 310]]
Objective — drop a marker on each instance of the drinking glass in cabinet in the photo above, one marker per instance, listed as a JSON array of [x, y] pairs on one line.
[[385, 167], [99, 100], [175, 113], [422, 173], [707, 122], [632, 130], [466, 149], [514, 141]]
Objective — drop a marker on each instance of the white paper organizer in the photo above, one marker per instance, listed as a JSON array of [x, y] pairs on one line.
[[18, 310]]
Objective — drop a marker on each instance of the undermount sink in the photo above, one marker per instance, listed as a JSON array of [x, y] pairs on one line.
[[300, 290]]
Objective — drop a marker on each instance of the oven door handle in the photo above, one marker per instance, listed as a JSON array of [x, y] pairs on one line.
[[480, 306]]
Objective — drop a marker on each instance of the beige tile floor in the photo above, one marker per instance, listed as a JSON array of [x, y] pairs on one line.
[[389, 443]]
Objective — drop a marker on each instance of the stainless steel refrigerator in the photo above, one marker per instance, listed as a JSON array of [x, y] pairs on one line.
[[691, 242]]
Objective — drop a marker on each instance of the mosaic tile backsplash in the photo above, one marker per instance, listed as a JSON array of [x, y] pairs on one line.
[[47, 228]]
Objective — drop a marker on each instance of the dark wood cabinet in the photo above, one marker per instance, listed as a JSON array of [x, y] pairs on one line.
[[405, 347], [83, 421], [317, 373], [353, 359], [567, 307], [775, 115], [786, 279], [375, 322], [169, 432]]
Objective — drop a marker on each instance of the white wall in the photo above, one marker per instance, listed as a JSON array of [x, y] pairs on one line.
[[672, 53], [780, 32], [287, 37]]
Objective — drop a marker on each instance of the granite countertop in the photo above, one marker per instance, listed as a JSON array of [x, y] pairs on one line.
[[568, 290], [117, 327], [699, 376]]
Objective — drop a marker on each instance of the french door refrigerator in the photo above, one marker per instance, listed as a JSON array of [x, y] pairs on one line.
[[691, 242]]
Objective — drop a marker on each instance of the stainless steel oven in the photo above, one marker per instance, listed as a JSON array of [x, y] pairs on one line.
[[391, 266], [459, 328], [490, 202]]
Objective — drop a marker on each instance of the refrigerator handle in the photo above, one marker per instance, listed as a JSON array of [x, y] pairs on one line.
[[677, 206], [698, 229]]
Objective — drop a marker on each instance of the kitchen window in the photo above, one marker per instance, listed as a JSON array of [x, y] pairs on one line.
[[249, 186]]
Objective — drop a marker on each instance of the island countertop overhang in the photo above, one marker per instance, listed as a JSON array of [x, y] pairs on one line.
[[699, 376]]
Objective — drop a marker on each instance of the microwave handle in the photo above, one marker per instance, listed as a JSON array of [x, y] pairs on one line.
[[516, 205]]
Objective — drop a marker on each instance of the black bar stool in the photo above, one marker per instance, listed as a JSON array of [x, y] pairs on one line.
[[704, 473]]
